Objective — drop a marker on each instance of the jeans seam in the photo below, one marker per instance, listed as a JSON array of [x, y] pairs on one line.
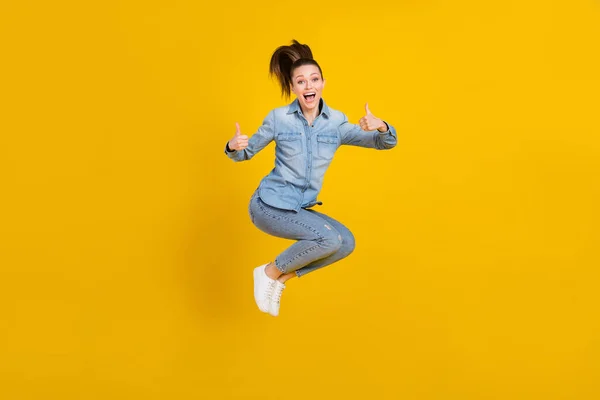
[[291, 220], [299, 224], [302, 253]]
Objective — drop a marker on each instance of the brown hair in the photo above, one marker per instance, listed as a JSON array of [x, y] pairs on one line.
[[286, 59]]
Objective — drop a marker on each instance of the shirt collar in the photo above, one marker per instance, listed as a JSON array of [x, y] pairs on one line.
[[295, 106]]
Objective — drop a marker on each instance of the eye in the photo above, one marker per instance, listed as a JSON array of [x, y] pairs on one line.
[[315, 79], [300, 82]]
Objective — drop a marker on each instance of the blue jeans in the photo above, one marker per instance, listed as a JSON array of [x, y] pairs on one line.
[[321, 240]]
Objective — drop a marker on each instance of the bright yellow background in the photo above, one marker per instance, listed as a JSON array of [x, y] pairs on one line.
[[126, 247]]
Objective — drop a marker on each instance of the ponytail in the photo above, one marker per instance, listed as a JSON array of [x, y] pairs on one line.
[[286, 59]]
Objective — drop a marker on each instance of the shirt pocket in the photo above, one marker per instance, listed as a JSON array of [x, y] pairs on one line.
[[290, 144], [327, 145]]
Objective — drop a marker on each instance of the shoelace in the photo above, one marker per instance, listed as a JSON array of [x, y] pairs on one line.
[[269, 291], [278, 290]]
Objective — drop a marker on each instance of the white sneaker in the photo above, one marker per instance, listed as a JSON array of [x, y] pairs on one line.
[[274, 306], [263, 288]]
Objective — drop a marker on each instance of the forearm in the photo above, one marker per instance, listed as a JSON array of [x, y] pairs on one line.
[[256, 143], [379, 138]]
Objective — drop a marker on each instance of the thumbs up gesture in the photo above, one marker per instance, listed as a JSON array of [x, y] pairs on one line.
[[239, 141], [370, 122]]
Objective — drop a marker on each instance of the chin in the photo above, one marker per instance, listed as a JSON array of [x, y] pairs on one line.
[[314, 103]]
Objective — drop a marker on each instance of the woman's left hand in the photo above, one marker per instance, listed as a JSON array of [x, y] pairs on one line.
[[370, 122]]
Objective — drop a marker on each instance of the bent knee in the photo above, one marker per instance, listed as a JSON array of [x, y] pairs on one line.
[[332, 242]]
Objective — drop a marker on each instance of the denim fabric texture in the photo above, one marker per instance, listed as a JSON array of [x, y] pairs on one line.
[[303, 152], [281, 204], [321, 240]]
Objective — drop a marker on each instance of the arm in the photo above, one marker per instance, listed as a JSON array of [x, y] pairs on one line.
[[257, 142], [353, 135]]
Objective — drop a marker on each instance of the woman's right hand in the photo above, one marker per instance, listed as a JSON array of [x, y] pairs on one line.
[[239, 141]]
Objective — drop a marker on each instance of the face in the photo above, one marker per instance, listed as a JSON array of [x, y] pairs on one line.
[[307, 85]]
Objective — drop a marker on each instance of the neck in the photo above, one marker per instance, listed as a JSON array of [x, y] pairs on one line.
[[310, 115]]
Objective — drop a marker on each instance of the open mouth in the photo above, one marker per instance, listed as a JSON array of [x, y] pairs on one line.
[[310, 97]]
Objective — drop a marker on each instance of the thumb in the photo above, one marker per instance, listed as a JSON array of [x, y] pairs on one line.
[[367, 109], [237, 129]]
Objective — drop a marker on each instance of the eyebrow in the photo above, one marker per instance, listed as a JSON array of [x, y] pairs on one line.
[[314, 73]]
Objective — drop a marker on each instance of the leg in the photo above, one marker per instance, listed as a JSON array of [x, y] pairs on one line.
[[321, 240], [316, 238], [348, 245], [283, 278]]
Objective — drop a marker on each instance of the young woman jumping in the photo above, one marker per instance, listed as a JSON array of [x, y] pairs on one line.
[[307, 134]]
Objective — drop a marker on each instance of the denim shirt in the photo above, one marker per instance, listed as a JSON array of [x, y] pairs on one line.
[[303, 152]]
